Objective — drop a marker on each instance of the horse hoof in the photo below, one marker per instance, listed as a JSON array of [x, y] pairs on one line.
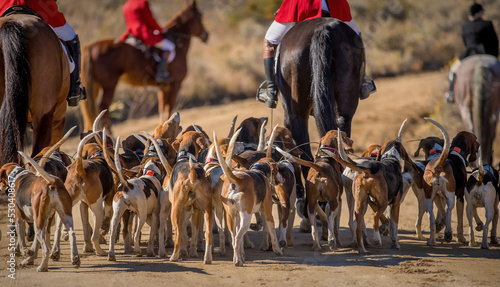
[[494, 241], [111, 257], [282, 243], [485, 246]]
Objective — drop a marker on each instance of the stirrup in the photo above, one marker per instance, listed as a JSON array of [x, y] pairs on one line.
[[367, 87], [449, 98], [263, 97]]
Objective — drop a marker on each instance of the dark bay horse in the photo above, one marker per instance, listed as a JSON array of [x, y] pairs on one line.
[[107, 61], [320, 71], [34, 84], [477, 94]]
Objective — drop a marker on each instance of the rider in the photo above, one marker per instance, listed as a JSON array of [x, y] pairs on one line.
[[142, 25], [48, 10], [479, 37], [290, 13]]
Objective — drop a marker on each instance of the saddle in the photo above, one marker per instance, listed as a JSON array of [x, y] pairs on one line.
[[149, 52], [18, 9]]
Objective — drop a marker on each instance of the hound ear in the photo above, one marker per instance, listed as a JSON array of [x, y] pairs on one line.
[[200, 141], [380, 152], [176, 144], [473, 151], [417, 152]]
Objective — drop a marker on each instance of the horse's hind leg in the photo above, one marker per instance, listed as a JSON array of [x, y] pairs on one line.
[[166, 100], [300, 133], [42, 132], [108, 92]]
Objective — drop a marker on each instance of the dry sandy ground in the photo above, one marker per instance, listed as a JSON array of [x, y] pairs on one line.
[[377, 119]]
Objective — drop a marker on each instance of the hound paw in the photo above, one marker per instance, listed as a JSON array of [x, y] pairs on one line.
[[256, 226], [65, 236], [55, 256], [28, 261], [249, 245], [448, 236], [76, 261], [162, 253], [332, 245], [494, 240], [479, 226], [42, 269], [383, 229], [282, 243], [363, 252], [461, 239]]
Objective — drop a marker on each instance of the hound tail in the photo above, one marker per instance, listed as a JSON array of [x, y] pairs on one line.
[[223, 164]]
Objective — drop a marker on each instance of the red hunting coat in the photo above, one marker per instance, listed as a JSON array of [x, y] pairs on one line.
[[47, 9], [141, 23], [300, 10]]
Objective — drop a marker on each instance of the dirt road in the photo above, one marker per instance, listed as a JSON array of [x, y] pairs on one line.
[[377, 119]]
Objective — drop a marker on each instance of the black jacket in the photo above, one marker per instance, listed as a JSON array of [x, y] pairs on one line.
[[479, 37]]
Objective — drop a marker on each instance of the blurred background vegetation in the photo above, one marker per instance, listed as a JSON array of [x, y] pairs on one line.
[[400, 36]]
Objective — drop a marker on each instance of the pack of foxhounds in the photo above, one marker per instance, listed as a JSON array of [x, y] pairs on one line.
[[187, 186]]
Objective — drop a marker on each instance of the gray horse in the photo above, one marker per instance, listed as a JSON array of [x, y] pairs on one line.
[[477, 94]]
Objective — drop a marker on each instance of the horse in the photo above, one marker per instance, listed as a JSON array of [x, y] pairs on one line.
[[106, 62], [320, 68], [477, 94], [33, 86]]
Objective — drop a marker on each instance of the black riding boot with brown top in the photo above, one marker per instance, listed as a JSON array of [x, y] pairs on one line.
[[269, 94], [77, 90]]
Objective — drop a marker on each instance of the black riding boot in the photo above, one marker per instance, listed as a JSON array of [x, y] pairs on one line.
[[162, 75], [77, 90], [449, 97], [270, 94]]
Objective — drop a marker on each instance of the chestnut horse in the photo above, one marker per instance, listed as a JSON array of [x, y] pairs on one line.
[[34, 84], [477, 94], [107, 61], [320, 70]]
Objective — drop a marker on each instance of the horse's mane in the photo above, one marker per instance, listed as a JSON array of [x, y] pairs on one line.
[[179, 18]]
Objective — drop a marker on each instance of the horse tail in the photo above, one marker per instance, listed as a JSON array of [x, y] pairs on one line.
[[482, 105], [88, 107], [14, 110], [322, 90]]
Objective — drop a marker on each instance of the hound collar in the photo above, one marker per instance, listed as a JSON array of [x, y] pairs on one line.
[[16, 174], [460, 153], [184, 155], [330, 149], [98, 154]]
